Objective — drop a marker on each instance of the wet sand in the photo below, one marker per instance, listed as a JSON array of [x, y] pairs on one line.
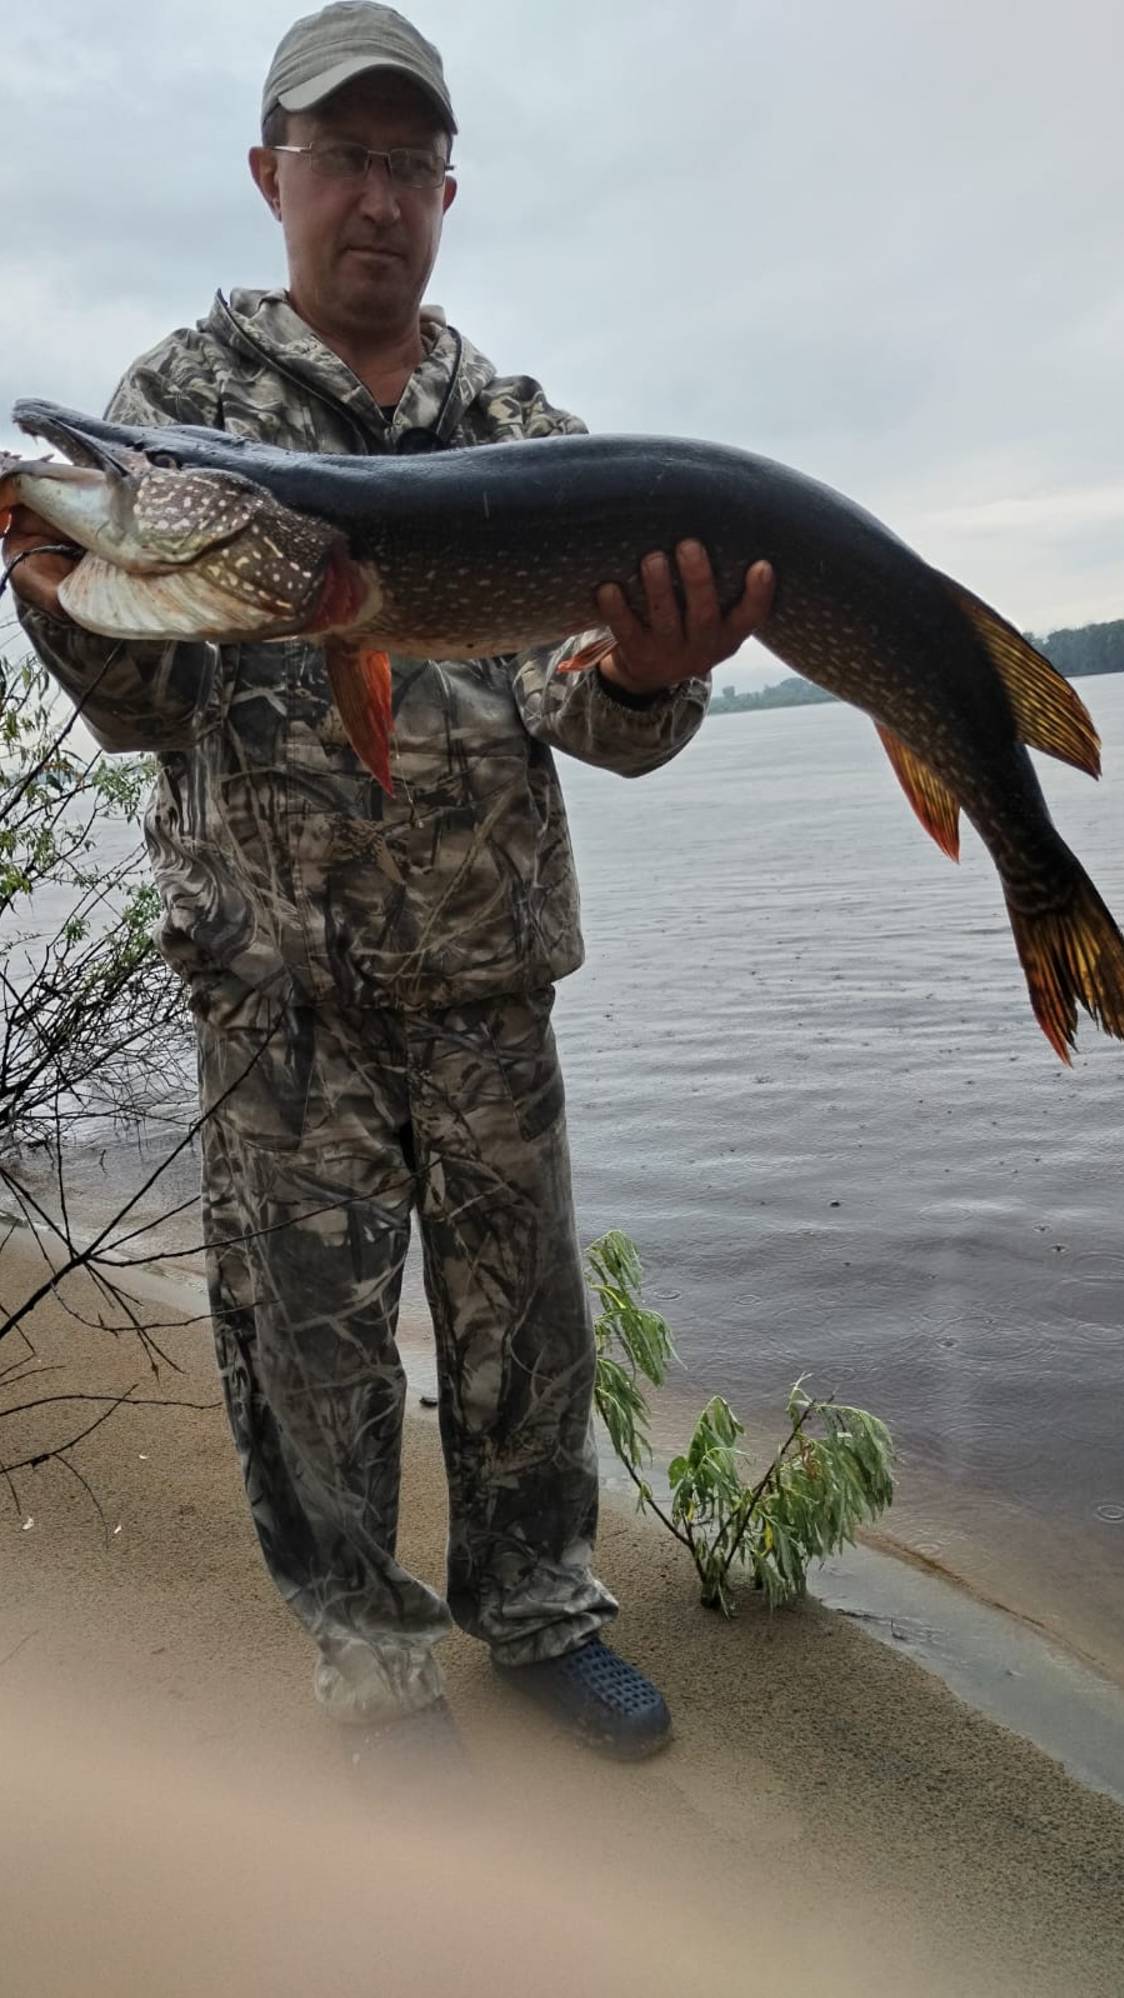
[[181, 1818]]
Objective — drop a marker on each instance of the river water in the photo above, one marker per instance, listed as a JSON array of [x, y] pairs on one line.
[[803, 1074]]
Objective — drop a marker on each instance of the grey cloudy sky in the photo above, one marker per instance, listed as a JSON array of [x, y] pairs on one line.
[[881, 240]]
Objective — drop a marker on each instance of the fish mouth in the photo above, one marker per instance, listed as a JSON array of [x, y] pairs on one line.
[[51, 425], [84, 440]]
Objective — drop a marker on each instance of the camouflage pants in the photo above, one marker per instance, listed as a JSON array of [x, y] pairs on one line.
[[323, 1137]]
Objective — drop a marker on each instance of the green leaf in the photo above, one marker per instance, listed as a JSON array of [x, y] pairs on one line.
[[817, 1490]]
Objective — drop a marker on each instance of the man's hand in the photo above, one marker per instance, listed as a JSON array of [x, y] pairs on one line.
[[670, 647], [36, 581]]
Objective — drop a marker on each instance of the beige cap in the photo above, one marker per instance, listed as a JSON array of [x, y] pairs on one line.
[[325, 50]]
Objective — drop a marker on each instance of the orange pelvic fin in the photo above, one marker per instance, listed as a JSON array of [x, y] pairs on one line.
[[1072, 955], [936, 806], [589, 655], [360, 679], [1048, 714]]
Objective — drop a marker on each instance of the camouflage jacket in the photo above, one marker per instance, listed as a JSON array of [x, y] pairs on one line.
[[286, 876]]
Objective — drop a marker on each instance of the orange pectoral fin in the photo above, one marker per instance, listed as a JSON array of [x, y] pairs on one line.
[[360, 679], [935, 805], [589, 655]]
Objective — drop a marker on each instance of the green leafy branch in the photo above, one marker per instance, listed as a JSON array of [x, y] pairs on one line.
[[816, 1492]]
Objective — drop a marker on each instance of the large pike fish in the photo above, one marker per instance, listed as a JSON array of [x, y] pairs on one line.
[[467, 553]]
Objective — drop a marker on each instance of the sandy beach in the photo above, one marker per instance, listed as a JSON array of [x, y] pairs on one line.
[[181, 1819]]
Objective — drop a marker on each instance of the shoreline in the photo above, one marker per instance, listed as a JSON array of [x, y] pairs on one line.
[[821, 1793]]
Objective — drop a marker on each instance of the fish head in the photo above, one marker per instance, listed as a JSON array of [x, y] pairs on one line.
[[204, 554], [186, 552]]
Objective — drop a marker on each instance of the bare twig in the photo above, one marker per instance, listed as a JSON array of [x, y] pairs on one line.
[[686, 1538], [33, 1462], [135, 1401]]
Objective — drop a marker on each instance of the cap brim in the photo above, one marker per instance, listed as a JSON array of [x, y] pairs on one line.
[[306, 96]]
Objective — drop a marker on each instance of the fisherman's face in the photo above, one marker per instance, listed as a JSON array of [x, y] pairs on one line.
[[360, 251]]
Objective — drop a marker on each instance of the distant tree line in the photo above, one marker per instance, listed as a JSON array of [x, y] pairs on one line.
[[1086, 648], [791, 693]]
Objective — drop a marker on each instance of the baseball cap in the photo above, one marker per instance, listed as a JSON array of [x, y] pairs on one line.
[[323, 51]]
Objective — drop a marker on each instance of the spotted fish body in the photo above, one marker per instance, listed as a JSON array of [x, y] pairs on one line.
[[480, 552]]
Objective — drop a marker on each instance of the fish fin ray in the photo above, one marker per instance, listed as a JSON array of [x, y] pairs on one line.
[[936, 806], [589, 655], [1049, 715], [360, 678], [1072, 955]]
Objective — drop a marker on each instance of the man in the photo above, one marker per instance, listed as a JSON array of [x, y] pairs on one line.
[[371, 978]]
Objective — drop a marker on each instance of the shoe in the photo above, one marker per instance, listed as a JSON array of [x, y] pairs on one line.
[[598, 1697]]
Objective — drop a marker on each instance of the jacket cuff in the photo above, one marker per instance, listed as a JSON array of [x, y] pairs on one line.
[[625, 699]]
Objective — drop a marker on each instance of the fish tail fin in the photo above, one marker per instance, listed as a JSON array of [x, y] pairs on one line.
[[1049, 715], [360, 678], [1072, 954]]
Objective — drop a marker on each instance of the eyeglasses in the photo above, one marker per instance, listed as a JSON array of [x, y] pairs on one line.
[[345, 159]]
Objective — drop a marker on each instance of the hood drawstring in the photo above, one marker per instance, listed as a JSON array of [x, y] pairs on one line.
[[415, 442]]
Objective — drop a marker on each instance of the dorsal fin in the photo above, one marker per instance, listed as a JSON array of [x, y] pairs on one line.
[[1048, 714], [936, 806]]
